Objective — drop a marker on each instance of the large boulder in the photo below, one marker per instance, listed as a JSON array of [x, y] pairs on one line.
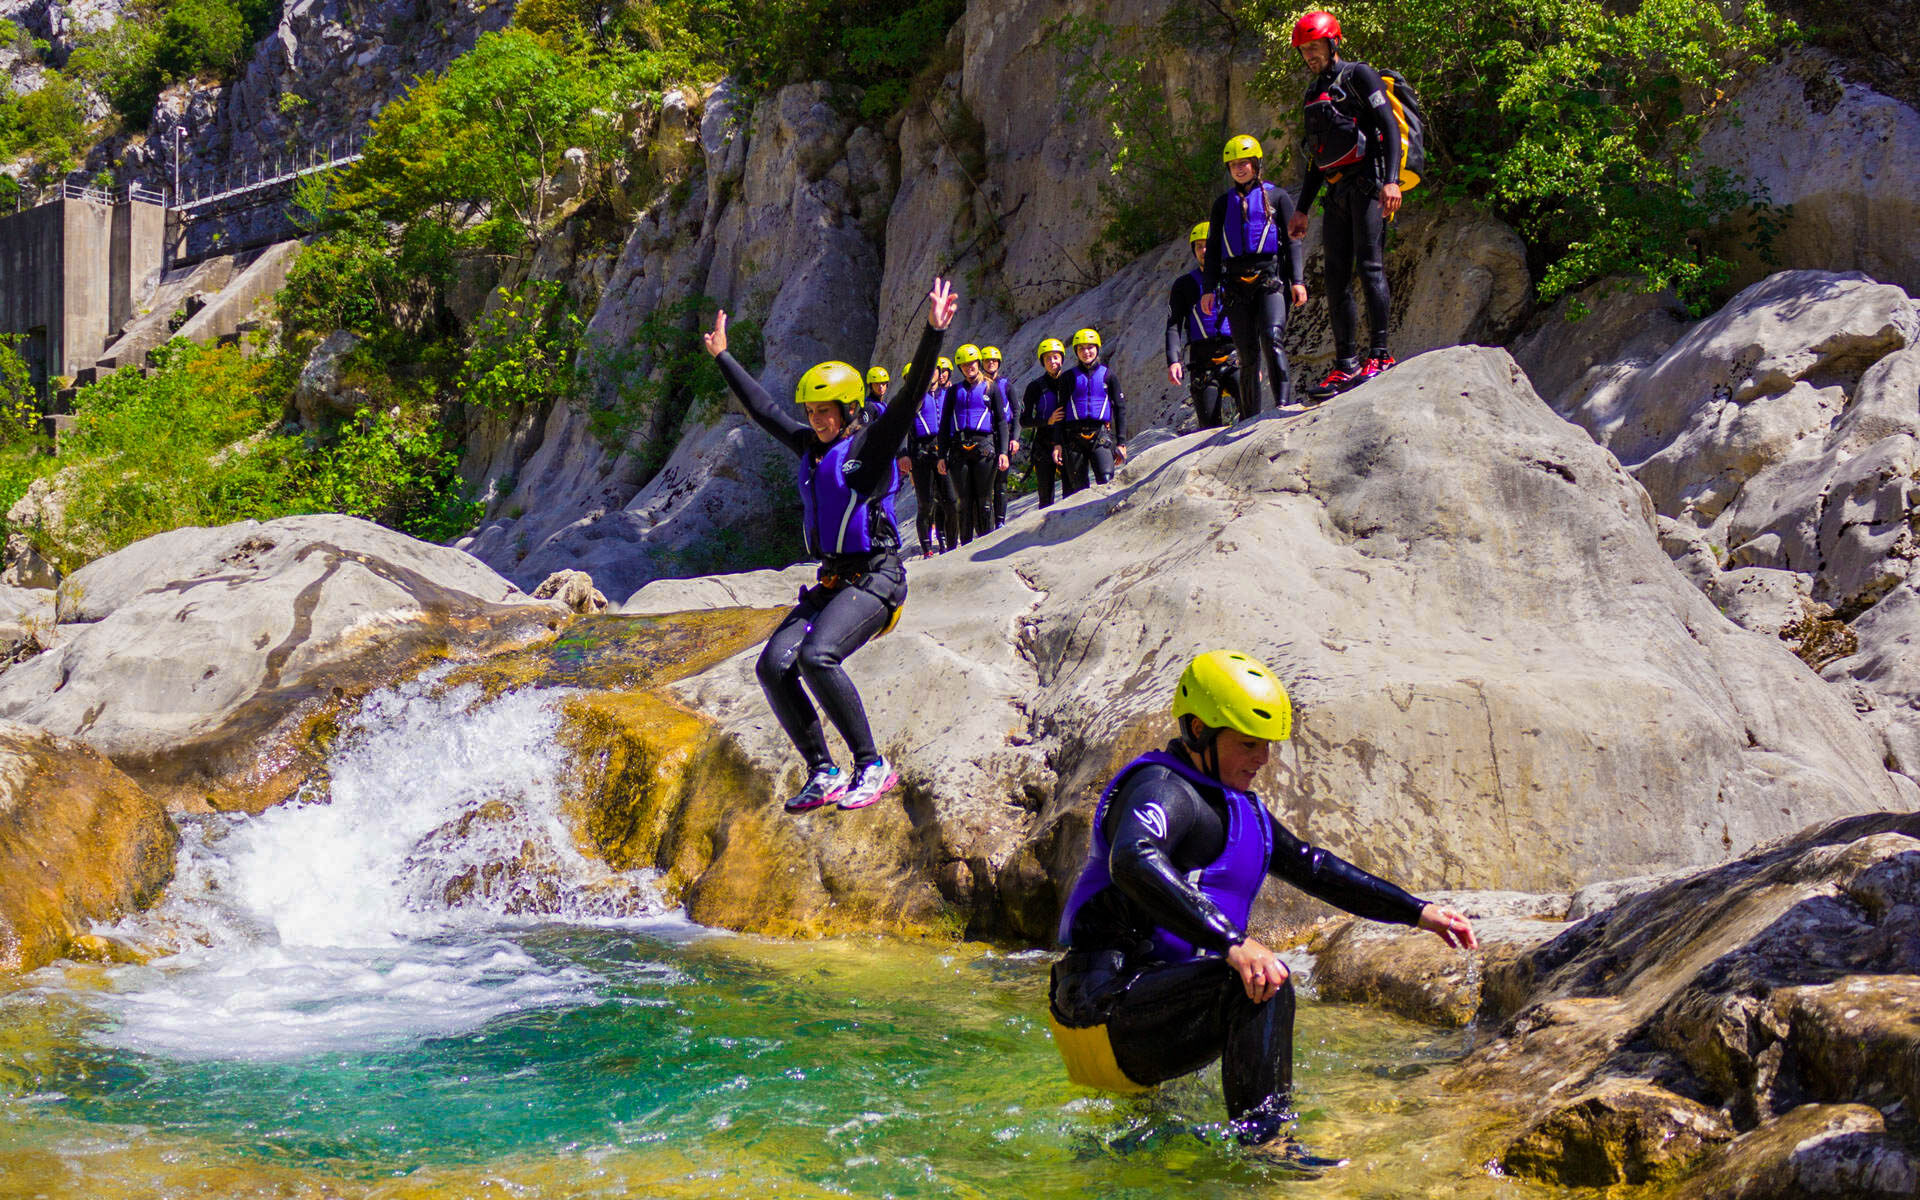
[[1719, 1002], [208, 662], [1839, 155], [79, 842], [1494, 663]]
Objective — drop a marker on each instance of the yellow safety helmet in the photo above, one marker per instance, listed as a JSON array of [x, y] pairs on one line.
[[830, 382], [878, 375], [945, 363], [1199, 232], [905, 371], [1050, 346], [990, 352], [968, 353], [1244, 146], [1225, 689], [1086, 337]]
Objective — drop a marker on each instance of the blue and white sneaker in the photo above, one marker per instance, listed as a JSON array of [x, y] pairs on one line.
[[824, 786], [870, 783]]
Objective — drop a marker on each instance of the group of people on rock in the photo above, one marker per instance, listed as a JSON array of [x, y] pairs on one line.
[[1160, 976]]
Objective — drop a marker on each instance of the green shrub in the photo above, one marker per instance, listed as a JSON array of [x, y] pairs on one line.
[[201, 34], [521, 352], [121, 63]]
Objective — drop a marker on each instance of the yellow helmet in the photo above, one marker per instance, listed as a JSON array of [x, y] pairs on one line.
[[1240, 147], [905, 371], [1086, 337], [968, 353], [878, 375], [834, 382], [1199, 232], [945, 363], [1225, 689], [1050, 346], [990, 352]]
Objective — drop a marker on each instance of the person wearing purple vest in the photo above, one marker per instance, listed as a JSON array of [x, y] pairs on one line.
[[934, 518], [990, 367], [1160, 975], [1211, 372], [1040, 412], [847, 479], [974, 443], [1091, 435], [1260, 267]]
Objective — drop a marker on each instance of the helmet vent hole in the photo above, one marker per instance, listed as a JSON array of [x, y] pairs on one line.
[[1263, 714]]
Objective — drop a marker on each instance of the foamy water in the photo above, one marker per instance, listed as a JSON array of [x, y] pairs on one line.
[[371, 913]]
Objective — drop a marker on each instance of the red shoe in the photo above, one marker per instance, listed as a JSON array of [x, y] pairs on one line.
[[1338, 380], [1378, 363]]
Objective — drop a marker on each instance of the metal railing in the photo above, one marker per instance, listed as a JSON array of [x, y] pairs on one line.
[[257, 177]]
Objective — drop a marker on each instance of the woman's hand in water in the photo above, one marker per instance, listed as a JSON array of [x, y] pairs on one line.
[[716, 342], [943, 304], [1450, 925], [1261, 973]]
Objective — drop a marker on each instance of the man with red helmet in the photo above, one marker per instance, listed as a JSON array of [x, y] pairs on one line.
[[1354, 148]]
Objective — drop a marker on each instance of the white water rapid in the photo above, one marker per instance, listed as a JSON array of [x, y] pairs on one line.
[[372, 915]]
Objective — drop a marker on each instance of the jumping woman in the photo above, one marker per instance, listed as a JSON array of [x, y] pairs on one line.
[[847, 479]]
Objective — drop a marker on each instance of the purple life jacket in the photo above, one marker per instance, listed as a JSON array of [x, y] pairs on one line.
[[834, 518], [972, 408], [1005, 393], [1230, 881], [1086, 397], [1200, 326], [1050, 396], [926, 423], [1252, 227]]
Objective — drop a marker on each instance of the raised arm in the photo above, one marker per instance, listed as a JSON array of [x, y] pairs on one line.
[[785, 427], [881, 441]]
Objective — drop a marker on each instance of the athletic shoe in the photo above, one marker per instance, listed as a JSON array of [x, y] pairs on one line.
[[1293, 1158], [824, 786], [870, 783], [1378, 363], [1338, 380]]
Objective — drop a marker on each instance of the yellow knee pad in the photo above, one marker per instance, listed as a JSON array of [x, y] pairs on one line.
[[1088, 1054]]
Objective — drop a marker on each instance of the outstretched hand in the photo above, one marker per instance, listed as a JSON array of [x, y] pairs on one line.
[[943, 303], [1451, 927], [716, 342]]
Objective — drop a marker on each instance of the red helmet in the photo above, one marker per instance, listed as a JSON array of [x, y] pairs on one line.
[[1314, 26]]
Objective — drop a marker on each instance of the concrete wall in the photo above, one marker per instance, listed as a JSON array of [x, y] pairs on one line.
[[88, 268], [31, 252], [139, 231], [77, 270]]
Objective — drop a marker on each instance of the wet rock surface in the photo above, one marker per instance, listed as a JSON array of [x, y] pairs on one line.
[[79, 842], [208, 662]]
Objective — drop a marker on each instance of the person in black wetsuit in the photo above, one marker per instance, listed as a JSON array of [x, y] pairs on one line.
[[1354, 149], [934, 518], [990, 367], [973, 433], [1040, 411], [1160, 976], [1091, 435], [847, 479], [1210, 372], [1259, 267]]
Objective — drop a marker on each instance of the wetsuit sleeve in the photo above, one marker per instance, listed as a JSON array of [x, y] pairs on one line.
[[786, 428], [946, 423], [881, 441], [1030, 404], [1326, 876], [1366, 82], [1118, 399], [999, 423], [1180, 301], [1216, 243], [1151, 814]]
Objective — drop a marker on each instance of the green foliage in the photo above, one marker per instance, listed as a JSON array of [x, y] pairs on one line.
[[121, 63], [521, 352], [664, 379], [390, 466], [19, 402], [1575, 120], [48, 124]]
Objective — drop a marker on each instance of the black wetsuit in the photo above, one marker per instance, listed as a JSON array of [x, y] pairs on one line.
[[1166, 1021], [1036, 405], [972, 459], [856, 595], [934, 518], [1257, 285], [1004, 391], [1354, 229], [1086, 445], [1212, 373]]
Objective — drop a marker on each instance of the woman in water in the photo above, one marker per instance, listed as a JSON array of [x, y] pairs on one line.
[[847, 479]]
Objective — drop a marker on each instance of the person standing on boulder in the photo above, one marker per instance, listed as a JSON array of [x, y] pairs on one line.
[[990, 367], [1160, 975], [1258, 266], [1040, 412], [1210, 373], [1091, 436], [1354, 149], [847, 478], [973, 435]]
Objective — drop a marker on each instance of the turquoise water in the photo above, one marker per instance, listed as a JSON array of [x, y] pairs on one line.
[[704, 1066]]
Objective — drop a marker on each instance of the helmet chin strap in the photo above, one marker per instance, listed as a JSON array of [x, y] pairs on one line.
[[1205, 749]]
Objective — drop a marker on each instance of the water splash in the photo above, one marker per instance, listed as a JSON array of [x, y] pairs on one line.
[[368, 913]]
